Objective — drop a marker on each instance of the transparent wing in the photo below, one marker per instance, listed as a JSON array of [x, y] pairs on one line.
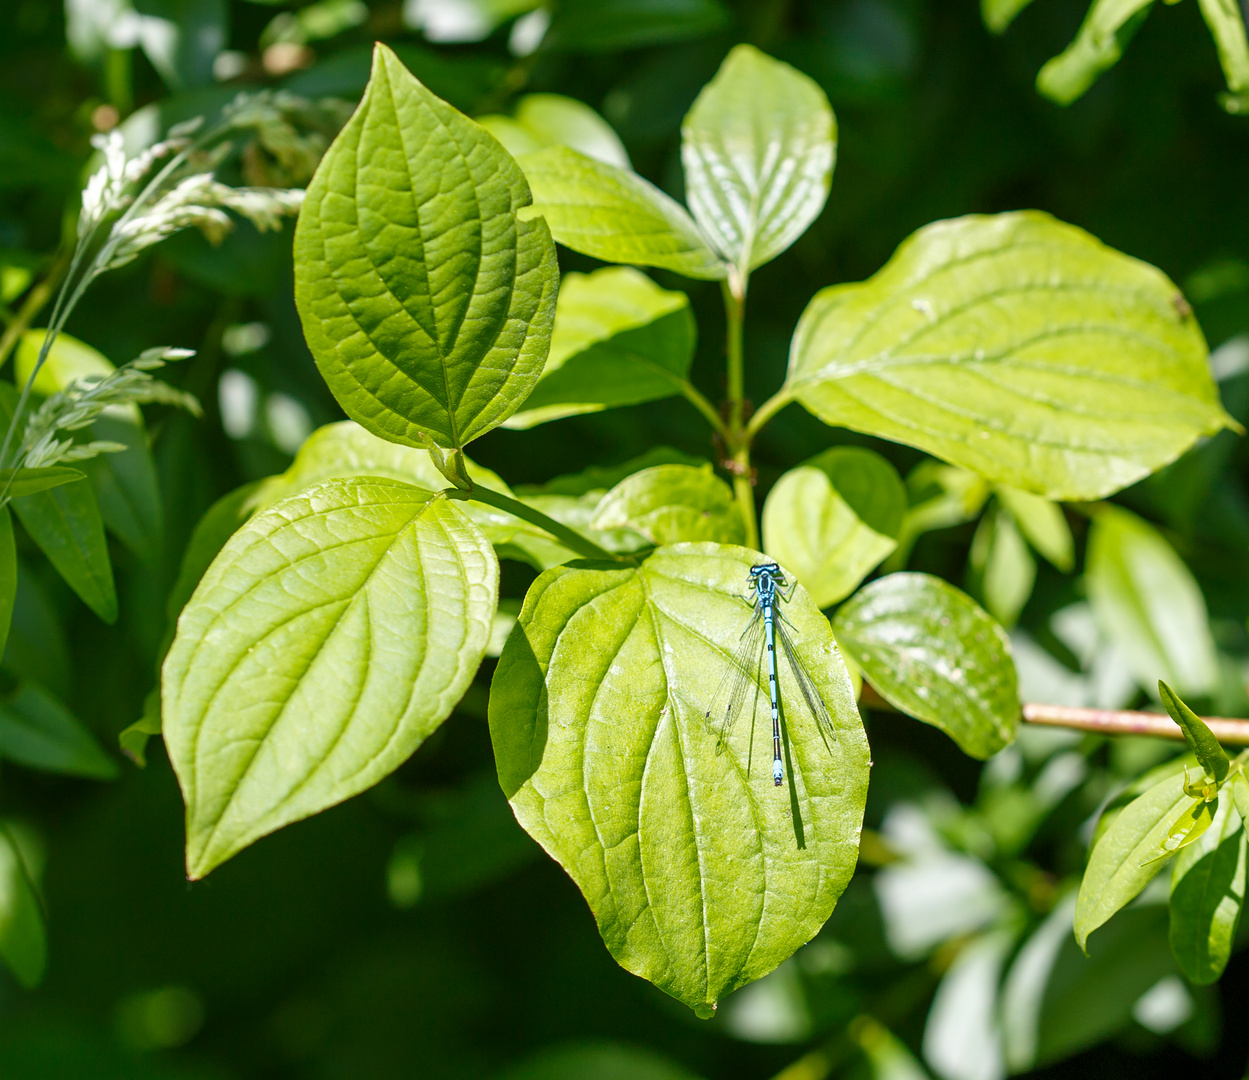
[[740, 680], [806, 685]]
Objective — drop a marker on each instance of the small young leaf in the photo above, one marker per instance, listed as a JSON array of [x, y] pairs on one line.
[[615, 215], [999, 14], [702, 875], [1042, 523], [23, 939], [1122, 862], [1147, 602], [1207, 894], [426, 303], [19, 482], [669, 504], [335, 631], [619, 339], [543, 120], [1186, 829], [758, 148], [38, 731], [1013, 345], [133, 739], [833, 519], [932, 652], [1002, 567], [1200, 739], [8, 575], [1098, 45]]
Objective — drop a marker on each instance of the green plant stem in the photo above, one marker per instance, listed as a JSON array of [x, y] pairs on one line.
[[767, 410], [1105, 721], [34, 303], [572, 540], [738, 442]]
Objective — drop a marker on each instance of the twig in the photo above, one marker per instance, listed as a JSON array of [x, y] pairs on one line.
[[1104, 721]]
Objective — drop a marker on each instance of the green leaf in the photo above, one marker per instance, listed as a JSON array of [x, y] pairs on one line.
[[833, 519], [702, 875], [932, 652], [619, 339], [38, 731], [1227, 25], [542, 551], [1186, 829], [425, 302], [758, 147], [1042, 523], [20, 482], [543, 120], [1122, 860], [615, 215], [1098, 45], [940, 496], [1147, 602], [1207, 894], [133, 739], [1002, 566], [23, 939], [65, 522], [609, 25], [8, 575], [1200, 739], [672, 503], [1015, 346], [999, 14], [335, 631], [68, 359]]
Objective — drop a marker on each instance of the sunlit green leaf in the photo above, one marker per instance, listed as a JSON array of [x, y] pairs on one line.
[[615, 215], [619, 339], [1042, 523], [833, 519], [543, 120], [1106, 30], [1200, 739], [68, 359], [758, 147], [1186, 829], [1147, 602], [38, 731], [933, 653], [23, 939], [1207, 894], [1227, 24], [333, 633], [940, 496], [426, 303], [1015, 346], [543, 551], [702, 875], [669, 504], [1122, 862]]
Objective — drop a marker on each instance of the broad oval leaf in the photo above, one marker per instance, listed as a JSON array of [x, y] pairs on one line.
[[669, 504], [38, 731], [615, 215], [1207, 895], [1018, 347], [543, 120], [1147, 602], [619, 339], [833, 519], [701, 874], [758, 148], [932, 652], [333, 633], [1122, 861], [425, 301]]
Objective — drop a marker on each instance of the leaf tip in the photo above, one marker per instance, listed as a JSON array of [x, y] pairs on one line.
[[705, 1011]]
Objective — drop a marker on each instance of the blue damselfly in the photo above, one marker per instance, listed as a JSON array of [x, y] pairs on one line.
[[741, 678]]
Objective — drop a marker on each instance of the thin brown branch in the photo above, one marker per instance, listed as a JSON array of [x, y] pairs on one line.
[[1105, 721]]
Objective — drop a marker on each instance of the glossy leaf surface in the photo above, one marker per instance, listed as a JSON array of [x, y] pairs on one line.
[[932, 652], [1148, 603], [619, 339], [669, 504], [426, 303], [701, 874], [833, 519], [1015, 346], [615, 215], [1207, 895], [758, 147], [333, 633]]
